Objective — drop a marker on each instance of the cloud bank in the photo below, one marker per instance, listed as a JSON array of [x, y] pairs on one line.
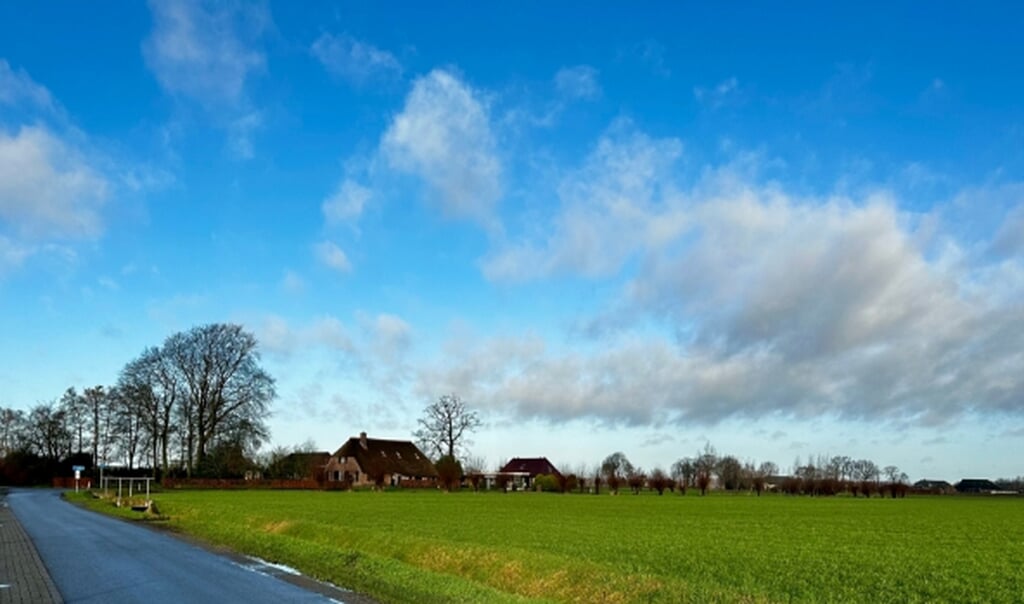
[[741, 299]]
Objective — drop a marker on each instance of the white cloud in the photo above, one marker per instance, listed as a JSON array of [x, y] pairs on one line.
[[391, 334], [611, 208], [278, 336], [240, 133], [12, 254], [347, 203], [358, 62], [293, 282], [1009, 240], [443, 135], [206, 53], [17, 88], [778, 304], [203, 52], [332, 256], [47, 188], [579, 82], [718, 95]]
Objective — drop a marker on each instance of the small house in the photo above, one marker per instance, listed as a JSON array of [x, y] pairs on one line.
[[367, 461], [527, 469]]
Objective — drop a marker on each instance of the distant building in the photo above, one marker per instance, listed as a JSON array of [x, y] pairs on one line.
[[527, 469], [775, 482], [934, 486], [976, 485], [366, 461]]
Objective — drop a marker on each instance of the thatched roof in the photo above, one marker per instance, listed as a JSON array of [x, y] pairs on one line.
[[379, 456]]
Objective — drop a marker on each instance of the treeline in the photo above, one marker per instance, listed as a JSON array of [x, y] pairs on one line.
[[820, 476], [192, 406]]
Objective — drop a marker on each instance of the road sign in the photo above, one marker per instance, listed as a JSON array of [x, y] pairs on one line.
[[78, 468]]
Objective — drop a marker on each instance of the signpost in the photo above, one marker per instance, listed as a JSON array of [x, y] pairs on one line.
[[78, 475]]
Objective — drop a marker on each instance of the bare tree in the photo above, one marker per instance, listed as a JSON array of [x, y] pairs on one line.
[[659, 481], [77, 416], [13, 429], [684, 471], [224, 388], [47, 431], [128, 426], [636, 479], [615, 468], [768, 468], [706, 462], [96, 404], [730, 472], [151, 385], [446, 425]]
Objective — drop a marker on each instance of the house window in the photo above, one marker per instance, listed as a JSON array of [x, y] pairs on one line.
[[398, 455], [383, 454]]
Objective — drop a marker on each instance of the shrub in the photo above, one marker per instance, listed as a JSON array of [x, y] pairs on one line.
[[546, 482], [449, 473]]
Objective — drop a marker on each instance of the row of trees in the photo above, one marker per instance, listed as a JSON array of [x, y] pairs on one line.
[[818, 477], [821, 476], [446, 423], [186, 406]]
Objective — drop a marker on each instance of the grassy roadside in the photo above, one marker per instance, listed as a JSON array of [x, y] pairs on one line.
[[433, 547]]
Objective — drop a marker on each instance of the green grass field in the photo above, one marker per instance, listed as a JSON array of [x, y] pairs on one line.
[[487, 547]]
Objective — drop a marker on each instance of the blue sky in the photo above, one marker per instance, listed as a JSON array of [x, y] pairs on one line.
[[789, 232]]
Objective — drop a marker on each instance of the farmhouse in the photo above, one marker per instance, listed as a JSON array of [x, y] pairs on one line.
[[526, 469], [976, 485], [366, 461]]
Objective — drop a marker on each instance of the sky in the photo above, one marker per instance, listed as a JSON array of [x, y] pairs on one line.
[[788, 232]]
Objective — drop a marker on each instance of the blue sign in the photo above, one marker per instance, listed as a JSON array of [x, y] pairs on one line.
[[78, 468]]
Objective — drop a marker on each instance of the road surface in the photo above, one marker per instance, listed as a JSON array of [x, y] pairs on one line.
[[93, 558]]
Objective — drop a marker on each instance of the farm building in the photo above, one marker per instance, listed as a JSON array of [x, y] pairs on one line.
[[526, 469], [976, 485], [934, 486], [366, 461]]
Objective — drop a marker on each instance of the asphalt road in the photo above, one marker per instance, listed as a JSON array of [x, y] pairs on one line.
[[93, 558]]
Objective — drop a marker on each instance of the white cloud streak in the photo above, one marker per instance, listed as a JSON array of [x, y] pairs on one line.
[[347, 203], [579, 82], [718, 95], [332, 256], [17, 88], [355, 61]]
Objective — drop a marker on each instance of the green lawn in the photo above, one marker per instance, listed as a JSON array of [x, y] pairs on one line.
[[434, 547]]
